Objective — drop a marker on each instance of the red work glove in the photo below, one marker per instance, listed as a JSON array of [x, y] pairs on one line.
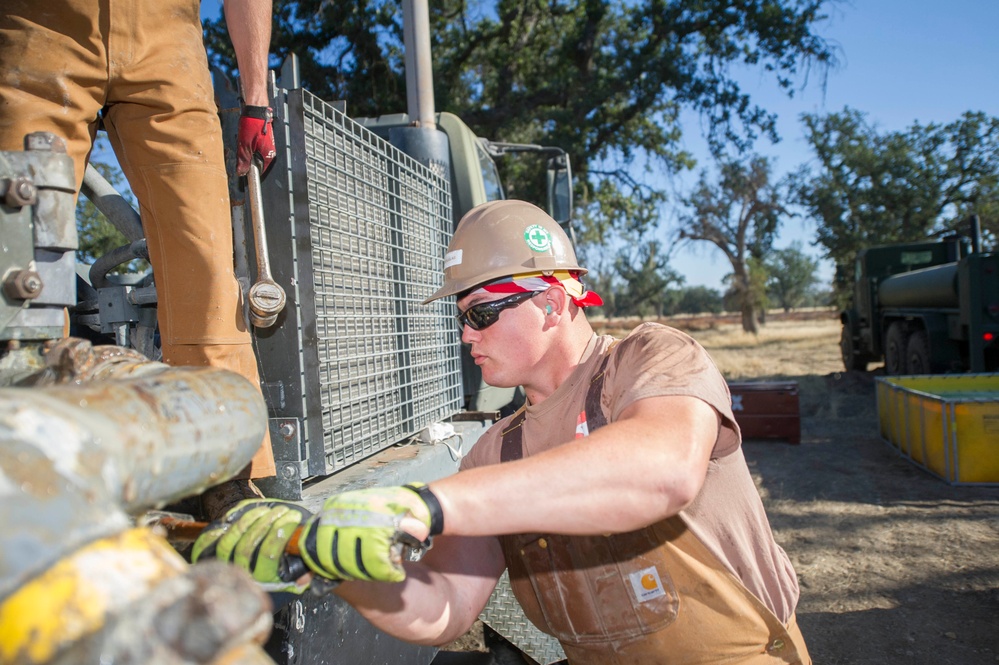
[[256, 139]]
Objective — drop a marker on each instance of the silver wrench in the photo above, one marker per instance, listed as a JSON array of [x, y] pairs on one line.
[[266, 296]]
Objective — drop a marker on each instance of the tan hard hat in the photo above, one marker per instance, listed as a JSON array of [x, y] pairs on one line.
[[503, 238]]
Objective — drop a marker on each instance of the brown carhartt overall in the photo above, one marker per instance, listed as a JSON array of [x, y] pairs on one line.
[[655, 596], [144, 63]]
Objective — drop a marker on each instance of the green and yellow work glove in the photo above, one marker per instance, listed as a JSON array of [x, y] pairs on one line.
[[254, 536], [357, 535]]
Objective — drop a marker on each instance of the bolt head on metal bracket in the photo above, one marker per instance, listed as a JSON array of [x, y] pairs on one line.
[[18, 192], [22, 284]]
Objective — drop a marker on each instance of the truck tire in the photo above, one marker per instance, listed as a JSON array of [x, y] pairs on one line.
[[895, 349], [917, 354], [853, 359]]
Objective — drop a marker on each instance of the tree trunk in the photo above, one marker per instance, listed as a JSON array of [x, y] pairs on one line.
[[749, 323], [745, 299]]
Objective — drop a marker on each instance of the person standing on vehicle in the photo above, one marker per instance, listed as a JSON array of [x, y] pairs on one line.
[[618, 498], [142, 67]]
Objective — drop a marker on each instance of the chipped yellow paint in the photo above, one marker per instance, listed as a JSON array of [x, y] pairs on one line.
[[74, 598]]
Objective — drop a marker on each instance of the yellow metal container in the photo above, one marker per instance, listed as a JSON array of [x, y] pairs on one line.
[[948, 425]]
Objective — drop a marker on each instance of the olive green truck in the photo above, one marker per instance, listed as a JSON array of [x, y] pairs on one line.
[[924, 308]]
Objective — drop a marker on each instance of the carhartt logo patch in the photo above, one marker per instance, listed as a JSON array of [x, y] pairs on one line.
[[647, 584]]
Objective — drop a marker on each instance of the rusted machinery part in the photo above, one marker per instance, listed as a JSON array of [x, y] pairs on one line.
[[21, 361], [77, 458], [70, 361], [75, 361], [131, 599]]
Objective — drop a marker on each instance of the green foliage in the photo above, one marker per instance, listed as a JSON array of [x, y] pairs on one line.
[[819, 296], [636, 280], [346, 50], [759, 277], [739, 214], [791, 276], [873, 188], [646, 276], [604, 80], [699, 300]]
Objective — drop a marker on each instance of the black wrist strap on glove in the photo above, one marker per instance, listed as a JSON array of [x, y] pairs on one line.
[[258, 112], [436, 512]]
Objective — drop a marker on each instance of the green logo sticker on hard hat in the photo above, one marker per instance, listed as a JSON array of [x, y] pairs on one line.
[[538, 238]]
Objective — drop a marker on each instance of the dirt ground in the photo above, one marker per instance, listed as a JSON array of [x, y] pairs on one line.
[[895, 565]]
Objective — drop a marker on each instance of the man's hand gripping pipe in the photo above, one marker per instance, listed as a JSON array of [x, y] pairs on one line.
[[181, 528]]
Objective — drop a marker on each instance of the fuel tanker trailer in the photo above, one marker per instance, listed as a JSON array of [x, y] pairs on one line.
[[924, 308]]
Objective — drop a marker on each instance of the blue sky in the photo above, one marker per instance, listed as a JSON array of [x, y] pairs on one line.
[[210, 9], [901, 61]]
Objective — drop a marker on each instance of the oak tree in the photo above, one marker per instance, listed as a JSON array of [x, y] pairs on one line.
[[606, 81], [740, 214]]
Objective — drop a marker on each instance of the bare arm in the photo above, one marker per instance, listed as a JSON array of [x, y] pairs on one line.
[[249, 23], [442, 595], [646, 466]]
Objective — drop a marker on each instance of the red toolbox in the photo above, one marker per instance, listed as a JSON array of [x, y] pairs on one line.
[[767, 409]]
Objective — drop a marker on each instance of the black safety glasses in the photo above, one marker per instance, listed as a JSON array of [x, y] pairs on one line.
[[484, 314]]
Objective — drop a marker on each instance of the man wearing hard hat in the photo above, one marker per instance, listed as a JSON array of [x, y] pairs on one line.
[[618, 498]]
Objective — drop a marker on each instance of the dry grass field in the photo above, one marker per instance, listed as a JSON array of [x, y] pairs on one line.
[[895, 565], [784, 348]]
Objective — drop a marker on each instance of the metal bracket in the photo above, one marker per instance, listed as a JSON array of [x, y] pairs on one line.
[[116, 307], [291, 468]]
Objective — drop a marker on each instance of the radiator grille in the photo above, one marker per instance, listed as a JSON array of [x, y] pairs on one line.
[[378, 227]]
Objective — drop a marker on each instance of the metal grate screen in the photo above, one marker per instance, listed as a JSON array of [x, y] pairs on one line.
[[379, 223]]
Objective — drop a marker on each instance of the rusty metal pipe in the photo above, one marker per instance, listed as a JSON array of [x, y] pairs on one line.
[[76, 460], [131, 599], [104, 433]]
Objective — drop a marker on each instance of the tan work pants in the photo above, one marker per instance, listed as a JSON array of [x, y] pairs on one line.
[[61, 63]]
